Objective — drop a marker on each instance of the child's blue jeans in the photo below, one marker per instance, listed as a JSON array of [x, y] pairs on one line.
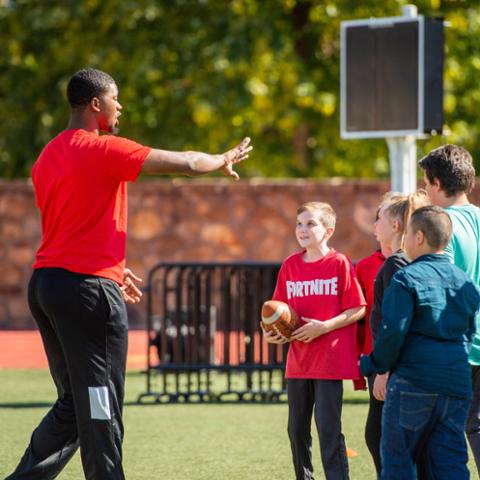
[[416, 422]]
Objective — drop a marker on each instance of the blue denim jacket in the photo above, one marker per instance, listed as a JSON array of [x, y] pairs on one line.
[[428, 321]]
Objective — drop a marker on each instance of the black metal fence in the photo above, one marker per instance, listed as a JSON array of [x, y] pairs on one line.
[[204, 338]]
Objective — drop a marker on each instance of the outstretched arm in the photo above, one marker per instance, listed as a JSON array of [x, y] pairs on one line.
[[196, 163]]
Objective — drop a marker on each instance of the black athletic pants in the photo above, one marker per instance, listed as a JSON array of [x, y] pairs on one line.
[[373, 426], [323, 398], [83, 323]]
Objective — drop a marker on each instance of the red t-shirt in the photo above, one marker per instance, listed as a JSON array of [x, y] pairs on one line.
[[367, 269], [79, 180], [321, 290]]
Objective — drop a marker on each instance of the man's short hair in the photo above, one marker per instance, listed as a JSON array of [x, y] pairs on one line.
[[452, 166], [434, 223], [326, 214], [87, 84]]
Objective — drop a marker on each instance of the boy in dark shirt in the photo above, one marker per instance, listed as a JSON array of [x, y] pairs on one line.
[[449, 179], [428, 312]]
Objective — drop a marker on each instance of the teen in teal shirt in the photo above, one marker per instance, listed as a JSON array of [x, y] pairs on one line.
[[449, 178], [464, 251]]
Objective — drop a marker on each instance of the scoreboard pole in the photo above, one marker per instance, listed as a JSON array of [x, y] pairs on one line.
[[403, 150], [403, 163]]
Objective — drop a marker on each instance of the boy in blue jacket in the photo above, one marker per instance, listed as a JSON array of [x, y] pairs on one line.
[[428, 316]]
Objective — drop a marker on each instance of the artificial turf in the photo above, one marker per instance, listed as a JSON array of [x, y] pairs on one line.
[[181, 442]]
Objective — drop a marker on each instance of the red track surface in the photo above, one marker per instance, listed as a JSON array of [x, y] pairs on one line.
[[24, 349]]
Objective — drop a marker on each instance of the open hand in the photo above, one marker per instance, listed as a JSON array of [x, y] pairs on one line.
[[131, 293], [235, 155]]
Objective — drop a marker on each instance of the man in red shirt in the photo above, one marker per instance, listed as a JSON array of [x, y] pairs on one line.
[[78, 290]]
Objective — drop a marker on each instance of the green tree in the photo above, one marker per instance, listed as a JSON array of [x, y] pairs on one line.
[[199, 74]]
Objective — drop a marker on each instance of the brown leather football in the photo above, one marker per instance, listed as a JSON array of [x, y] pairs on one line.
[[279, 317]]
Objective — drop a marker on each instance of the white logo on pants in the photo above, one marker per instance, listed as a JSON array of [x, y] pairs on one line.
[[99, 403]]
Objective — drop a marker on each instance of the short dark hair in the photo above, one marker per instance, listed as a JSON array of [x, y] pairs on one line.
[[452, 166], [435, 224], [87, 84]]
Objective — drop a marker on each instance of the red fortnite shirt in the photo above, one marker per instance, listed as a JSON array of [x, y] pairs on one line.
[[321, 290], [79, 180], [367, 269]]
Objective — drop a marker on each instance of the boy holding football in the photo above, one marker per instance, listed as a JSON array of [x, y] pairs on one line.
[[320, 285]]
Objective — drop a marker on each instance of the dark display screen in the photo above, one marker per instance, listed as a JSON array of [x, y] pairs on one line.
[[382, 77]]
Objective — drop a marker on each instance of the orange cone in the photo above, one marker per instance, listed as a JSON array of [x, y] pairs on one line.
[[351, 453]]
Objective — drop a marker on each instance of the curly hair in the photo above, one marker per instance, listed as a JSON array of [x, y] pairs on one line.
[[452, 166], [87, 84]]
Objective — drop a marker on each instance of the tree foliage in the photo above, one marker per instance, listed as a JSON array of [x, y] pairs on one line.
[[200, 74]]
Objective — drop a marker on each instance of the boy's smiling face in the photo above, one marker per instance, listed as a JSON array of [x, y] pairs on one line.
[[311, 232]]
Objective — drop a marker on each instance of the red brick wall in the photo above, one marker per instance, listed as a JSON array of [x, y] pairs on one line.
[[19, 236], [192, 220]]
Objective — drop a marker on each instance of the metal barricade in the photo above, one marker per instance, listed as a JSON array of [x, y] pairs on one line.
[[204, 337]]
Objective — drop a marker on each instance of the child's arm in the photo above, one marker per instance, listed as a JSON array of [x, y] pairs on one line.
[[397, 307], [314, 328]]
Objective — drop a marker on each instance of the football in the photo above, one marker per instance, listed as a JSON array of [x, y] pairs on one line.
[[279, 318]]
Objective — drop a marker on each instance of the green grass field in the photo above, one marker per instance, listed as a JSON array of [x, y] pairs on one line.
[[181, 442]]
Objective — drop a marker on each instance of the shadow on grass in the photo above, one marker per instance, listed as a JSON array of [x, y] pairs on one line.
[[20, 405], [147, 403], [29, 405]]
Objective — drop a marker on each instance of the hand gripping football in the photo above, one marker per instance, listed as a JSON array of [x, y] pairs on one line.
[[279, 318]]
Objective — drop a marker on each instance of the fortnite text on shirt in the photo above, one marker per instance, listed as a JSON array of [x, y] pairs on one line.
[[312, 287]]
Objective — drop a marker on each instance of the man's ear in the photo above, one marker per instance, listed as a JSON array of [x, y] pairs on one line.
[[95, 104]]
